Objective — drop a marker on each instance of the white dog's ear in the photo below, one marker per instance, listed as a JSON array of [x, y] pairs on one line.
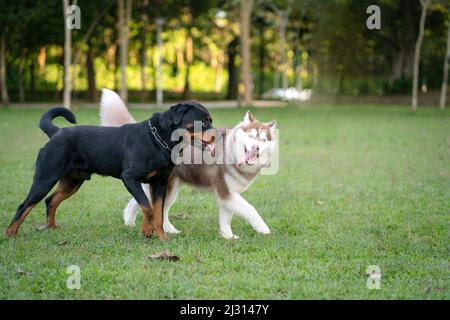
[[248, 118], [272, 126]]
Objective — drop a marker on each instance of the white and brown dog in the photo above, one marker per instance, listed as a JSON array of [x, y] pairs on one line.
[[249, 148]]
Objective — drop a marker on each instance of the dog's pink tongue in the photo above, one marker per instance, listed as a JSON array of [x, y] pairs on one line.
[[247, 157]]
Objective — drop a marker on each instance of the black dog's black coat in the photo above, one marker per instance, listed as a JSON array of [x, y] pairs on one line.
[[130, 153]]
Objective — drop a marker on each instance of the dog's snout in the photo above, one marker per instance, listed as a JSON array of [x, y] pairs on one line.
[[255, 147], [209, 136]]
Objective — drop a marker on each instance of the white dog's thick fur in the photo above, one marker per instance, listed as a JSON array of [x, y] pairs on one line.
[[227, 181]]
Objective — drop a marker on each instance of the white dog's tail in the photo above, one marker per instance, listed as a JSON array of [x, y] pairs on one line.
[[113, 111]]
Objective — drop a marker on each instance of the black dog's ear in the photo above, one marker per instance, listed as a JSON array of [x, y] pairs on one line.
[[177, 111]]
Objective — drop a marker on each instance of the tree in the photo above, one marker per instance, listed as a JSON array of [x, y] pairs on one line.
[[189, 55], [283, 20], [6, 19], [94, 12], [159, 75], [67, 58], [443, 98], [425, 4], [245, 72], [20, 76], [232, 86], [92, 86], [4, 87], [167, 10], [124, 12], [32, 29], [191, 14], [261, 53], [396, 40], [144, 32]]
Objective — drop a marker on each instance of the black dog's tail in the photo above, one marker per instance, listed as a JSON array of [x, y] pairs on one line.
[[46, 124]]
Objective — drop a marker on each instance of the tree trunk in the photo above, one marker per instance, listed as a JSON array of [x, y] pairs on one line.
[[443, 98], [219, 73], [20, 78], [86, 36], [298, 68], [262, 53], [116, 68], [32, 84], [56, 93], [246, 76], [408, 63], [187, 94], [124, 31], [423, 16], [144, 20], [396, 67], [283, 50], [92, 87], [180, 66], [276, 77], [120, 34], [4, 87], [90, 30], [159, 70], [341, 81], [42, 57], [231, 66], [67, 59]]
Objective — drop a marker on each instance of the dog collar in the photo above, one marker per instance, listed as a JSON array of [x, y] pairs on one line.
[[158, 138]]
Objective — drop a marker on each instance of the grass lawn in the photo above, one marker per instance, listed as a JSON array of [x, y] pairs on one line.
[[357, 186]]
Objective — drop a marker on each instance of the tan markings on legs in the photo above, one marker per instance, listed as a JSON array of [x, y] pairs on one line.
[[66, 188], [14, 227], [158, 219], [57, 198], [147, 222], [152, 174]]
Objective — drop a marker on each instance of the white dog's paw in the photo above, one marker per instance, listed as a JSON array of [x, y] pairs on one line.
[[171, 229], [129, 221], [229, 236], [263, 229], [129, 216]]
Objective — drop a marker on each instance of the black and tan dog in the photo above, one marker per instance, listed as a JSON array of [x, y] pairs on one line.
[[135, 153]]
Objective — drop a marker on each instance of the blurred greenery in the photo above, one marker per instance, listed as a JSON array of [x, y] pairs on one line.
[[328, 48]]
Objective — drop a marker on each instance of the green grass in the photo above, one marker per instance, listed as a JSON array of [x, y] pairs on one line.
[[357, 186]]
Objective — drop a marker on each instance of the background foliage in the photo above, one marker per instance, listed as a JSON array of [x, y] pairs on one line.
[[328, 46]]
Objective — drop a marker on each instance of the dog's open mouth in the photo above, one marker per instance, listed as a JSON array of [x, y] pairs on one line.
[[250, 157]]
